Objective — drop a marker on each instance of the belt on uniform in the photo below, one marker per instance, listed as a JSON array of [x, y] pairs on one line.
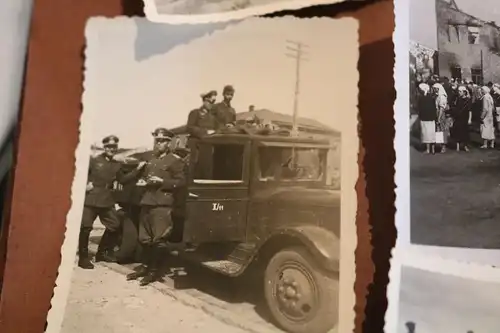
[[104, 187]]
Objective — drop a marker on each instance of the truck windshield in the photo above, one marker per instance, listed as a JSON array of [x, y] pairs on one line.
[[287, 164]]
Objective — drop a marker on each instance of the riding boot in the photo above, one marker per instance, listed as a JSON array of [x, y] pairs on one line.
[[83, 249], [153, 269], [106, 245], [143, 269]]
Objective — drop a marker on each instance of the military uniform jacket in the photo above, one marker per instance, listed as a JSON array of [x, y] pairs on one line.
[[170, 168], [200, 121], [102, 173], [132, 194], [224, 113]]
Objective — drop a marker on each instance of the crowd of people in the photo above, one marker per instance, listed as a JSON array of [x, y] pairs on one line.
[[448, 108]]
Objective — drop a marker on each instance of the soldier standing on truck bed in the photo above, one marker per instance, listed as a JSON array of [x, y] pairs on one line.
[[224, 112], [99, 202], [162, 176], [202, 121]]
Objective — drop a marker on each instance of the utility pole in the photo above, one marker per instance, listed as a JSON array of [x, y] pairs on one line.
[[297, 53]]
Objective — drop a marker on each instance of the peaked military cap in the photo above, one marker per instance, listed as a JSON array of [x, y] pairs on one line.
[[211, 93], [110, 140], [228, 89], [162, 133]]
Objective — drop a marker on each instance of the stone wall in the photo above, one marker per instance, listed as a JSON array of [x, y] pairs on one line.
[[455, 49]]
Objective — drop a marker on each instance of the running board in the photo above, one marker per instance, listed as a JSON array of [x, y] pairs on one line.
[[225, 267], [229, 260]]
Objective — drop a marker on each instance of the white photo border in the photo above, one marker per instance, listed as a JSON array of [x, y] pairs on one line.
[[349, 198]]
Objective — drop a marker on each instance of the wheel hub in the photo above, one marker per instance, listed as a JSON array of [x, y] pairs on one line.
[[296, 293]]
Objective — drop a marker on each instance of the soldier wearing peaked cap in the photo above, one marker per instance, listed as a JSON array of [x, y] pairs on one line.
[[99, 202], [224, 112], [163, 174], [201, 121]]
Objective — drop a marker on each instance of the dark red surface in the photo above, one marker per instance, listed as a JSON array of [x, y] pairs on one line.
[[49, 135]]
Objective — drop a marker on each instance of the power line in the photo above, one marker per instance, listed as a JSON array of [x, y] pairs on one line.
[[296, 50]]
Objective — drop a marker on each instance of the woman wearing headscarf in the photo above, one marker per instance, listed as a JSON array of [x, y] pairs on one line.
[[495, 93], [452, 94], [462, 117], [487, 125], [427, 114], [443, 118]]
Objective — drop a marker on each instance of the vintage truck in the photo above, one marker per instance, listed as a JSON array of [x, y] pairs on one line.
[[261, 201]]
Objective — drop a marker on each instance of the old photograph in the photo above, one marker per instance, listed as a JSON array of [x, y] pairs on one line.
[[207, 11], [215, 179], [437, 302], [454, 123]]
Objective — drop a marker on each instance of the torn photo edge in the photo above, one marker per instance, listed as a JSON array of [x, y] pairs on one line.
[[152, 14], [350, 167]]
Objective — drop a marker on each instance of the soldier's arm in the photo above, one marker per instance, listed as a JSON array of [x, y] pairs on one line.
[[91, 167], [177, 177], [125, 177], [192, 125]]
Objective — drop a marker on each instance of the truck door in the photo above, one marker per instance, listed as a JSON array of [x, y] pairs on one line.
[[216, 208]]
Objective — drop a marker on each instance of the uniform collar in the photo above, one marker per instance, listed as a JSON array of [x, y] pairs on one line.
[[103, 155]]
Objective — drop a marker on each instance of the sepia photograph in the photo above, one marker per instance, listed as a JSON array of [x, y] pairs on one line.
[[438, 302], [454, 102], [215, 179], [209, 11]]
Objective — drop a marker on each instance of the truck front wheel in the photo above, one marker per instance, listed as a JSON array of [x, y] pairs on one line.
[[300, 296]]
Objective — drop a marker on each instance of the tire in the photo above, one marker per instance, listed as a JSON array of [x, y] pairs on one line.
[[128, 243], [292, 271]]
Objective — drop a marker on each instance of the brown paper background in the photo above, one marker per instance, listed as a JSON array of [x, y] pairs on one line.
[[48, 136]]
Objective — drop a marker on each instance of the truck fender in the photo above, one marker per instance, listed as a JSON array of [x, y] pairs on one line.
[[323, 244]]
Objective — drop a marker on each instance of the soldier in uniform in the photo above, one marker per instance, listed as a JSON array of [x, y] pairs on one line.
[[99, 202], [162, 176], [224, 112], [202, 121]]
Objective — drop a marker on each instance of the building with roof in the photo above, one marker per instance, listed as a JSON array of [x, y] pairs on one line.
[[468, 46]]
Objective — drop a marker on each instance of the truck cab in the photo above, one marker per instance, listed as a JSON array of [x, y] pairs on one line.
[[262, 201]]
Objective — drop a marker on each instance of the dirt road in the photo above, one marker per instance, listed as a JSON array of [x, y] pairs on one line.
[[455, 198], [101, 301]]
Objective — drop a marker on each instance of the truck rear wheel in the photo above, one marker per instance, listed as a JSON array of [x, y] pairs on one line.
[[300, 296]]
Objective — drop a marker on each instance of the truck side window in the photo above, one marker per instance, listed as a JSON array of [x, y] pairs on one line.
[[219, 162], [286, 164]]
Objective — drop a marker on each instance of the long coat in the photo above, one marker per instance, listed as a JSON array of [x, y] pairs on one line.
[[487, 121]]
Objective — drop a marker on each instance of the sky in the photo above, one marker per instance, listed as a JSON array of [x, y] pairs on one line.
[[129, 95], [423, 28], [487, 10]]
